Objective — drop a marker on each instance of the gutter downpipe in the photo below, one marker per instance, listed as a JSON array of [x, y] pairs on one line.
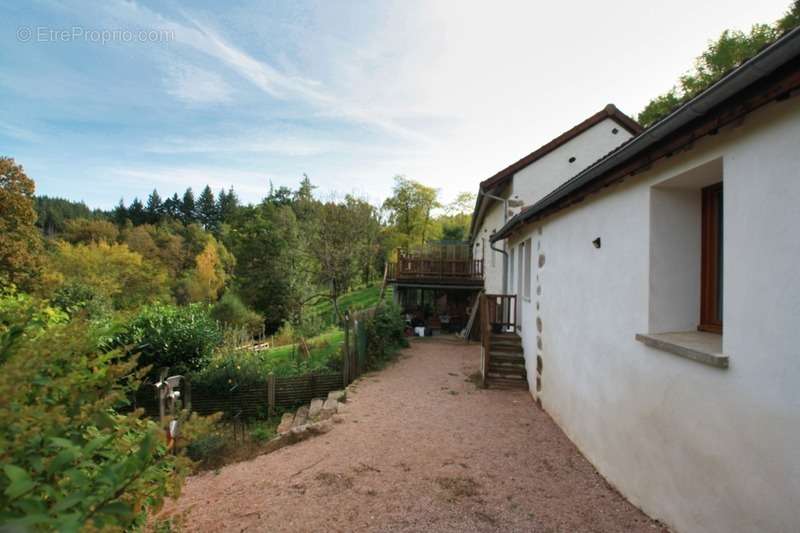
[[491, 244]]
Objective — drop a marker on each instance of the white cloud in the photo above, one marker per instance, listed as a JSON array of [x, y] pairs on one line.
[[195, 85]]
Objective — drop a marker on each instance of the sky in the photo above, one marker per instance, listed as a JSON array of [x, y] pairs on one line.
[[109, 100]]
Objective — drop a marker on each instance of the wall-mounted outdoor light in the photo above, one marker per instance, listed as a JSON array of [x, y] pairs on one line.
[[596, 242]]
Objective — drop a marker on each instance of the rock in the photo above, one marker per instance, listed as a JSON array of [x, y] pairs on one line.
[[300, 417], [338, 395], [329, 408], [337, 419], [315, 408], [286, 423], [318, 428], [299, 433]]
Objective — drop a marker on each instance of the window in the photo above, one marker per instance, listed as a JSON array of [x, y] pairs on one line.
[[521, 268], [711, 260], [526, 290], [511, 272]]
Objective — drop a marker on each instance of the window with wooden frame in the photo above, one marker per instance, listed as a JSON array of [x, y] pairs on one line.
[[711, 260]]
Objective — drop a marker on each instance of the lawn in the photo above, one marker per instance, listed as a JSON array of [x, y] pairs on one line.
[[354, 301], [286, 360]]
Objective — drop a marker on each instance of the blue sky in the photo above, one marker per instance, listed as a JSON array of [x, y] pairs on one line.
[[351, 93]]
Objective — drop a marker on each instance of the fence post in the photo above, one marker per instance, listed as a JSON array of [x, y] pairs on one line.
[[271, 394], [346, 357]]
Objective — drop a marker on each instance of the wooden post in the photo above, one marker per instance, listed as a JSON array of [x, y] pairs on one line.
[[346, 356], [271, 394]]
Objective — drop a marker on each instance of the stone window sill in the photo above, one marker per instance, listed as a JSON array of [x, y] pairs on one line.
[[698, 346]]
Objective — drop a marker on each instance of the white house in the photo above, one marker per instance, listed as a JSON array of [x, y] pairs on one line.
[[536, 174], [659, 296]]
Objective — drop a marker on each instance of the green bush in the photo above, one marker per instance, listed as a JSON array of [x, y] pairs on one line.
[[232, 312], [179, 337], [385, 331], [69, 460], [76, 297]]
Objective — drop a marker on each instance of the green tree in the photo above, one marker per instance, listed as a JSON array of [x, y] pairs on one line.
[[112, 271], [20, 240], [207, 209], [120, 213], [154, 208], [188, 207], [409, 211], [227, 204], [136, 212], [728, 51], [81, 230]]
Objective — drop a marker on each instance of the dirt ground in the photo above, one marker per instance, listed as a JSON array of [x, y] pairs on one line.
[[420, 449]]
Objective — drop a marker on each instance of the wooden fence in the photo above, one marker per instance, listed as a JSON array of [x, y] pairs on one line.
[[260, 399], [355, 356]]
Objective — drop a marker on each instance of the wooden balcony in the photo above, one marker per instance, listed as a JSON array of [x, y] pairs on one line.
[[433, 268]]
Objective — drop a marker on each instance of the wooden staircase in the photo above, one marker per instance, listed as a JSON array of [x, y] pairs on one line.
[[503, 360], [506, 366]]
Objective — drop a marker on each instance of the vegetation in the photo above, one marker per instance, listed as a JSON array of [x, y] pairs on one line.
[[69, 458], [727, 52], [93, 303]]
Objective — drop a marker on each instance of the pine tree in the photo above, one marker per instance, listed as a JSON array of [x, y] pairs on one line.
[[227, 204], [207, 209], [120, 213], [155, 207], [136, 212], [188, 208]]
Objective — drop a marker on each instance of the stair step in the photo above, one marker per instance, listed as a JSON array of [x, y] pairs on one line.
[[503, 375], [500, 383], [507, 374], [514, 341], [507, 356], [506, 348]]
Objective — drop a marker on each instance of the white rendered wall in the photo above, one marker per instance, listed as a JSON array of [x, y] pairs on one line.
[[493, 271], [701, 448], [535, 181]]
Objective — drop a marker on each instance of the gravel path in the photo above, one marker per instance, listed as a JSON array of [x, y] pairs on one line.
[[420, 449]]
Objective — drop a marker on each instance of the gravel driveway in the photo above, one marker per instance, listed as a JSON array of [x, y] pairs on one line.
[[420, 449]]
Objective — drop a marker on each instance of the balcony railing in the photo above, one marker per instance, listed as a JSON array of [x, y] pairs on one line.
[[466, 269]]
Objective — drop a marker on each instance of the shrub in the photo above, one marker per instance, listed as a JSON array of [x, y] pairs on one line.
[[76, 297], [232, 312], [385, 331], [69, 460], [27, 315], [181, 338]]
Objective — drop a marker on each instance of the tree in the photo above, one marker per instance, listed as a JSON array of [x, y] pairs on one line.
[[333, 245], [155, 208], [172, 207], [188, 208], [120, 213], [270, 272], [112, 271], [54, 212], [20, 240], [409, 210], [280, 196], [728, 51], [227, 204], [136, 212], [207, 209], [81, 230]]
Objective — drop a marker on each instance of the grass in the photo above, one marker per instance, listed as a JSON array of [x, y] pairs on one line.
[[322, 349], [354, 301]]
